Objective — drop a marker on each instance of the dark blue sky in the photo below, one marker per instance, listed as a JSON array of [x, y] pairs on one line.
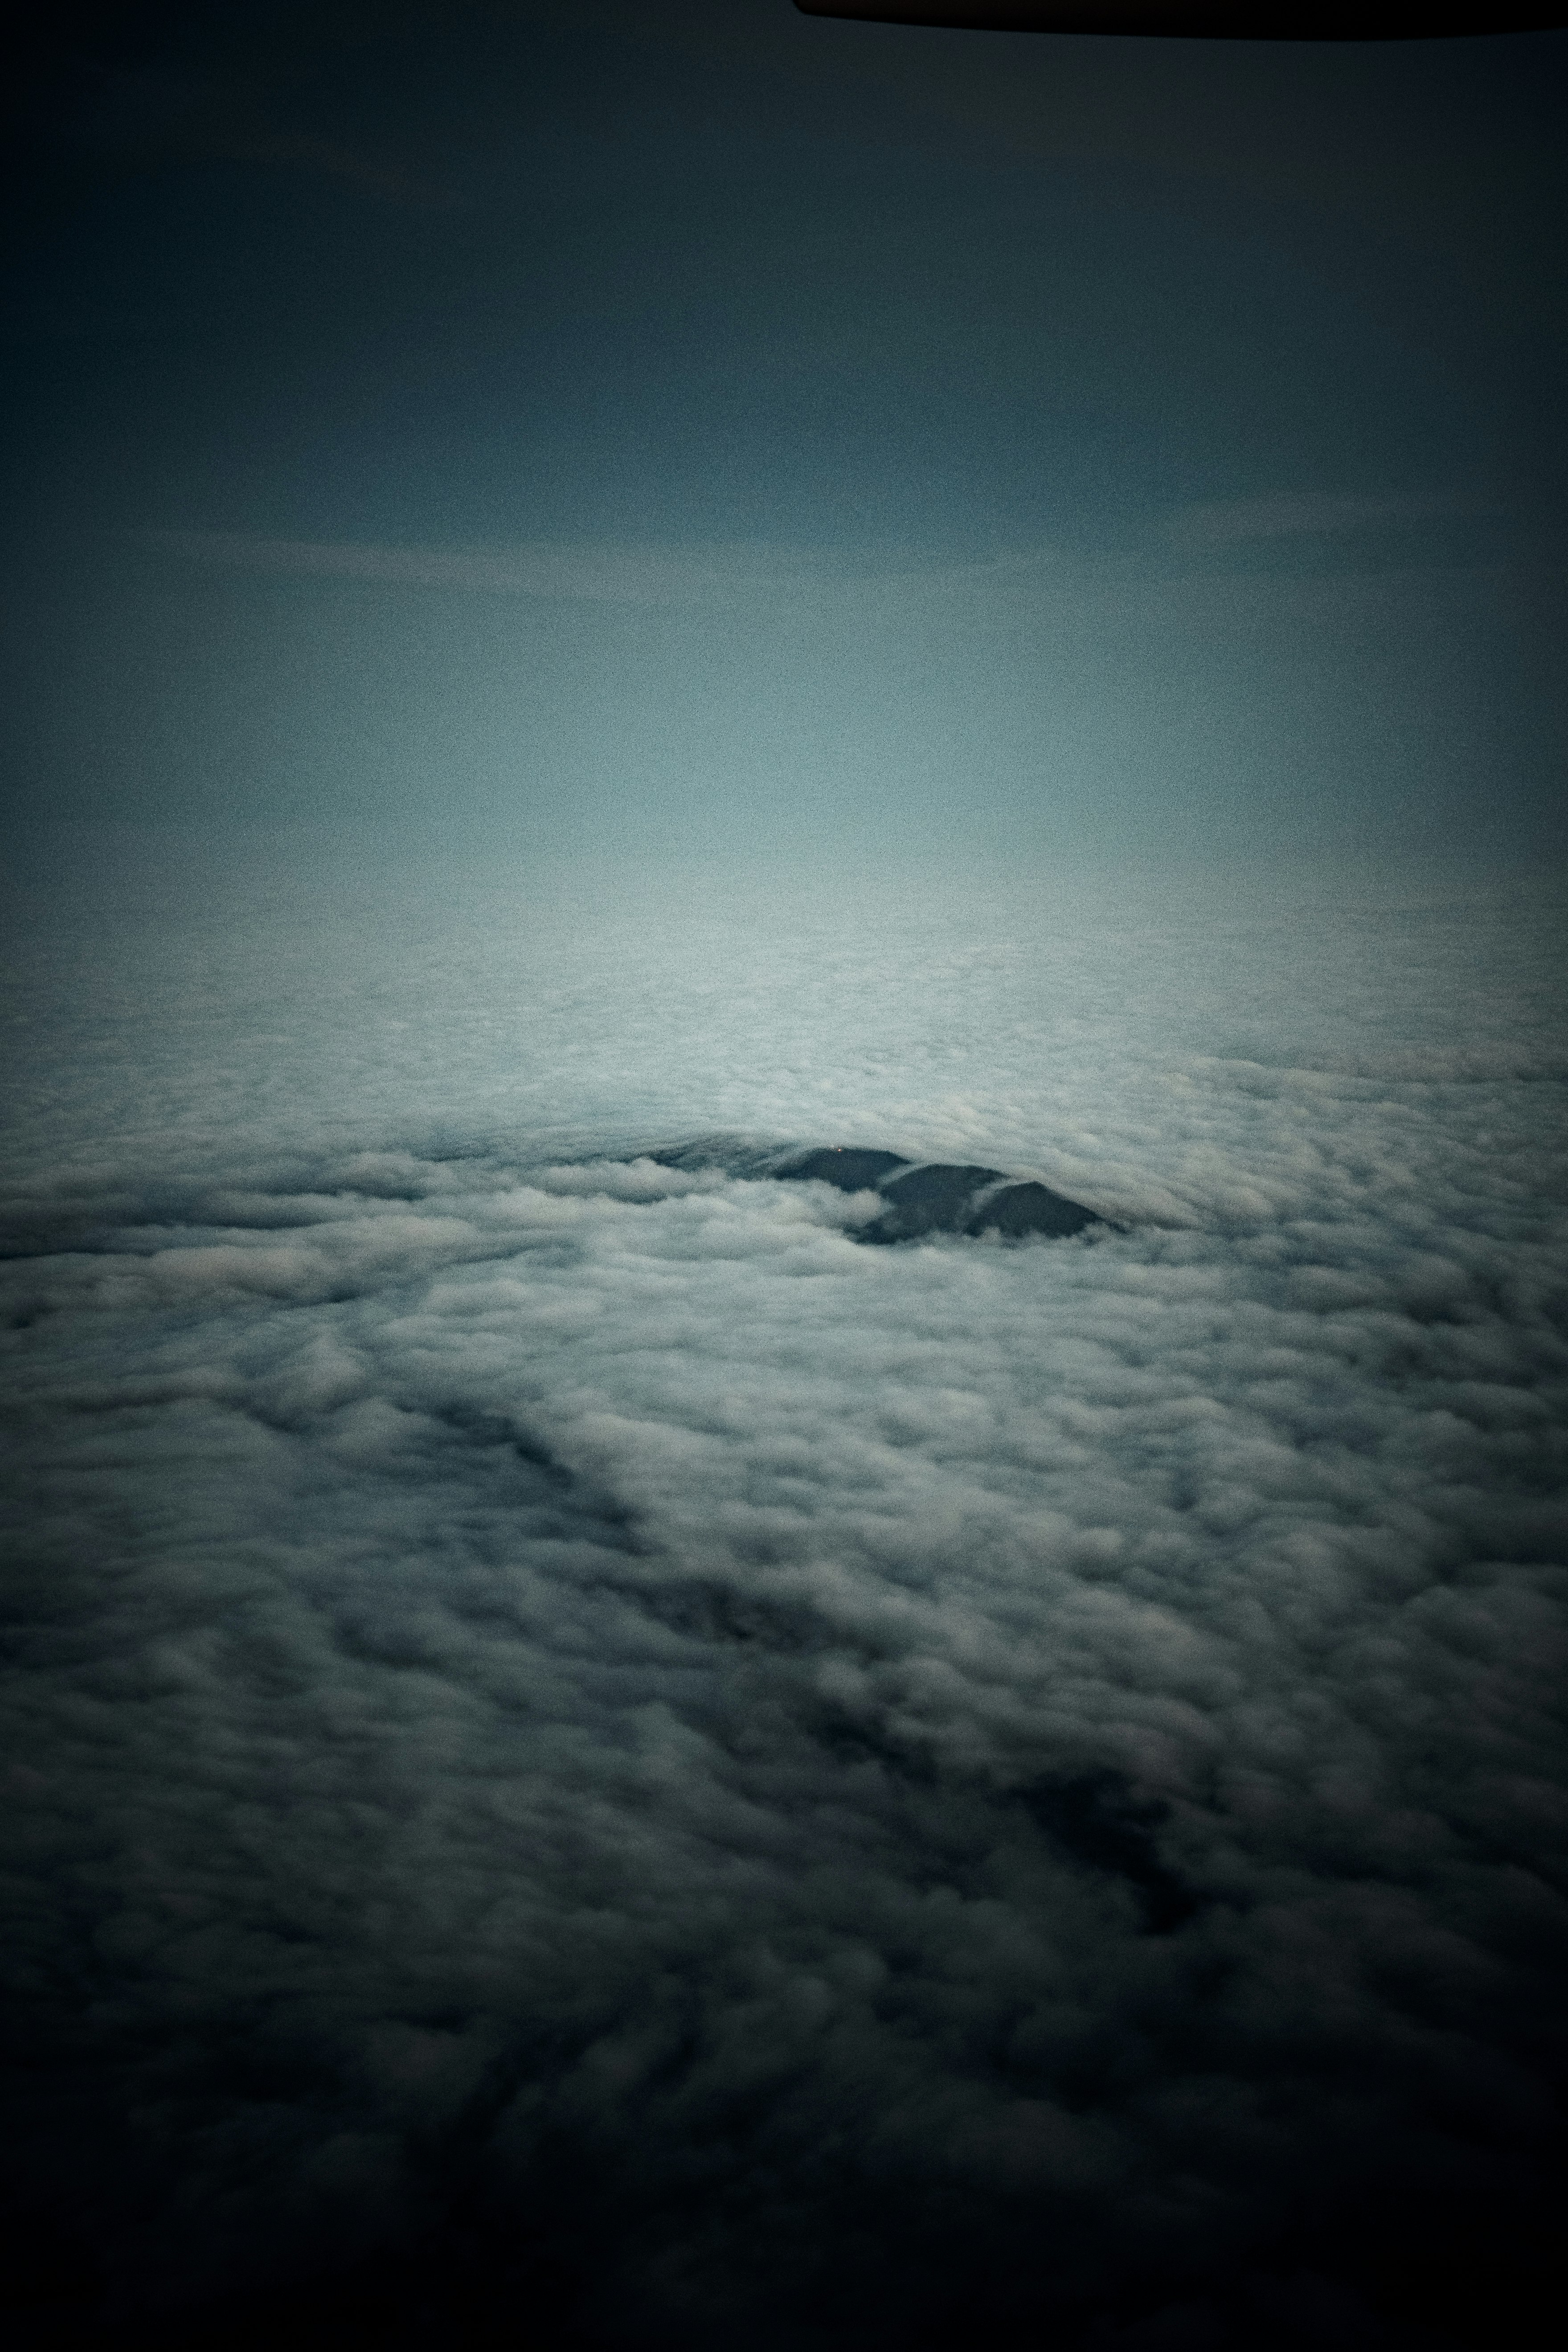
[[662, 429]]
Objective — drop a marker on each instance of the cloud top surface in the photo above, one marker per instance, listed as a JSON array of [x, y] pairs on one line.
[[581, 1739]]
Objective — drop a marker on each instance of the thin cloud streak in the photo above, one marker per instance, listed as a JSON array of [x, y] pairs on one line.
[[1313, 514], [606, 571]]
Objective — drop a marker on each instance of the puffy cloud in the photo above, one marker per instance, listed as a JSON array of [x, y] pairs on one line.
[[584, 1740]]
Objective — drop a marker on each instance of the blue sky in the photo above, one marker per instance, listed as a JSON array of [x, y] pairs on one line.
[[644, 432]]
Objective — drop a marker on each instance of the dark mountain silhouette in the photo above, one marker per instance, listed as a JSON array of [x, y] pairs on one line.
[[925, 1196]]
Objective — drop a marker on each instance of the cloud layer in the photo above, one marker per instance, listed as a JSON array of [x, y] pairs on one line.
[[583, 1744]]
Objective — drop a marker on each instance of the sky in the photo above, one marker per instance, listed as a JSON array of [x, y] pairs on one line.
[[601, 597], [622, 431]]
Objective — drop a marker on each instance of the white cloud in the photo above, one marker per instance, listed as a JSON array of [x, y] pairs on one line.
[[576, 1685]]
